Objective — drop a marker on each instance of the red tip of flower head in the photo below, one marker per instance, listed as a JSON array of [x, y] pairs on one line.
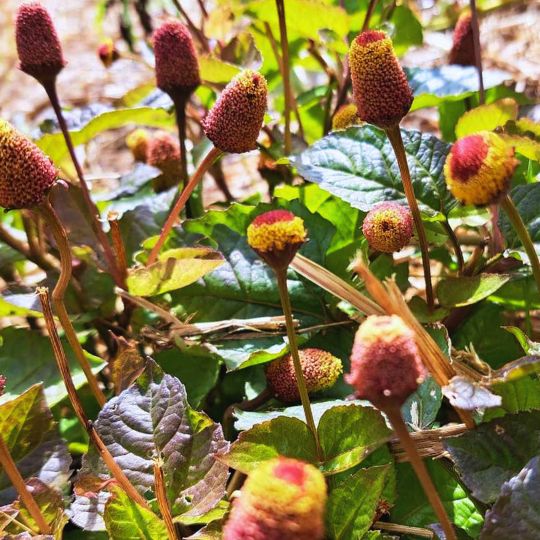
[[234, 122], [380, 88], [385, 364], [320, 368], [274, 216], [388, 227], [2, 384], [467, 157], [26, 173], [163, 152], [283, 499], [38, 47], [177, 66], [107, 53], [462, 51]]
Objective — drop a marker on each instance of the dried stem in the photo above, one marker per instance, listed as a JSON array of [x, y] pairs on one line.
[[281, 276], [50, 88], [394, 415], [521, 230], [285, 73], [60, 237], [204, 165], [403, 529], [477, 51], [118, 244], [235, 482], [163, 502], [455, 244], [394, 136], [10, 468], [63, 367]]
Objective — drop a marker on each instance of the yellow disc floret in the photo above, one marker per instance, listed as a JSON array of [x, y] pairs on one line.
[[276, 231]]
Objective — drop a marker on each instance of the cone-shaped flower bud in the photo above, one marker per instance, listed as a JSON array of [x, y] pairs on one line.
[[234, 122], [346, 116], [388, 227], [137, 141], [38, 47], [380, 88], [320, 368], [283, 499], [107, 52], [26, 173], [276, 236], [164, 153], [385, 364], [177, 66], [479, 168], [462, 51], [2, 384]]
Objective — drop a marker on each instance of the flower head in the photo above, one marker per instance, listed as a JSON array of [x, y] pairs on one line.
[[107, 52], [2, 384], [26, 173], [346, 116], [38, 47], [388, 227], [380, 88], [283, 499], [163, 152], [276, 236], [479, 168], [234, 122], [462, 51], [385, 363], [320, 368], [177, 66], [137, 141]]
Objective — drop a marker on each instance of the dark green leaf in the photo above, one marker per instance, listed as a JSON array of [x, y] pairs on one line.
[[464, 291], [527, 199], [421, 407]]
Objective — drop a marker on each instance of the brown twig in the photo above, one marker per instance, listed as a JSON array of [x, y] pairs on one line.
[[161, 496], [403, 529], [200, 36], [369, 13]]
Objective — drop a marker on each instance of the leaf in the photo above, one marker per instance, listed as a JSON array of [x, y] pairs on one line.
[[464, 393], [348, 434], [527, 365], [216, 71], [516, 513], [28, 429], [27, 358], [408, 29], [126, 520], [351, 505], [281, 436], [421, 408], [492, 453], [527, 199], [467, 290], [359, 166], [487, 117], [524, 136], [175, 268], [517, 395], [529, 346]]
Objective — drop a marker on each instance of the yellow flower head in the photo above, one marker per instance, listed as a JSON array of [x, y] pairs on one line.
[[137, 141], [479, 168], [346, 116]]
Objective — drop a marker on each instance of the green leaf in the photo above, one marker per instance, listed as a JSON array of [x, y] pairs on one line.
[[517, 395], [524, 136], [408, 29], [348, 434], [216, 71], [27, 358], [467, 290], [126, 520], [31, 435], [283, 436], [359, 166], [516, 513], [493, 452], [175, 268], [529, 346], [421, 408], [527, 199], [487, 117], [351, 505]]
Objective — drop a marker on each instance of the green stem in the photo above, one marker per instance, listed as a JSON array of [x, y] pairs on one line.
[[281, 275], [285, 73], [455, 244], [523, 234]]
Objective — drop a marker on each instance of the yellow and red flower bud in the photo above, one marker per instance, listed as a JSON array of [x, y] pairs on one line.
[[107, 53], [462, 51], [320, 368], [345, 117], [388, 227], [380, 88], [163, 152], [137, 141]]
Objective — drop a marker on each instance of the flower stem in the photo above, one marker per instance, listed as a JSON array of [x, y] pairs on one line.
[[285, 73], [204, 165], [281, 276], [10, 468], [369, 13], [519, 226], [163, 502], [63, 367], [394, 136], [477, 51], [393, 413], [60, 237], [455, 244]]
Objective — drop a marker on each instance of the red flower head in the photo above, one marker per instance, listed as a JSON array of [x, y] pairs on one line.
[[388, 227], [276, 236], [283, 499], [2, 384], [107, 53], [385, 364], [479, 168], [380, 88], [321, 370], [462, 51], [164, 153], [234, 122], [38, 47], [177, 66], [26, 173]]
